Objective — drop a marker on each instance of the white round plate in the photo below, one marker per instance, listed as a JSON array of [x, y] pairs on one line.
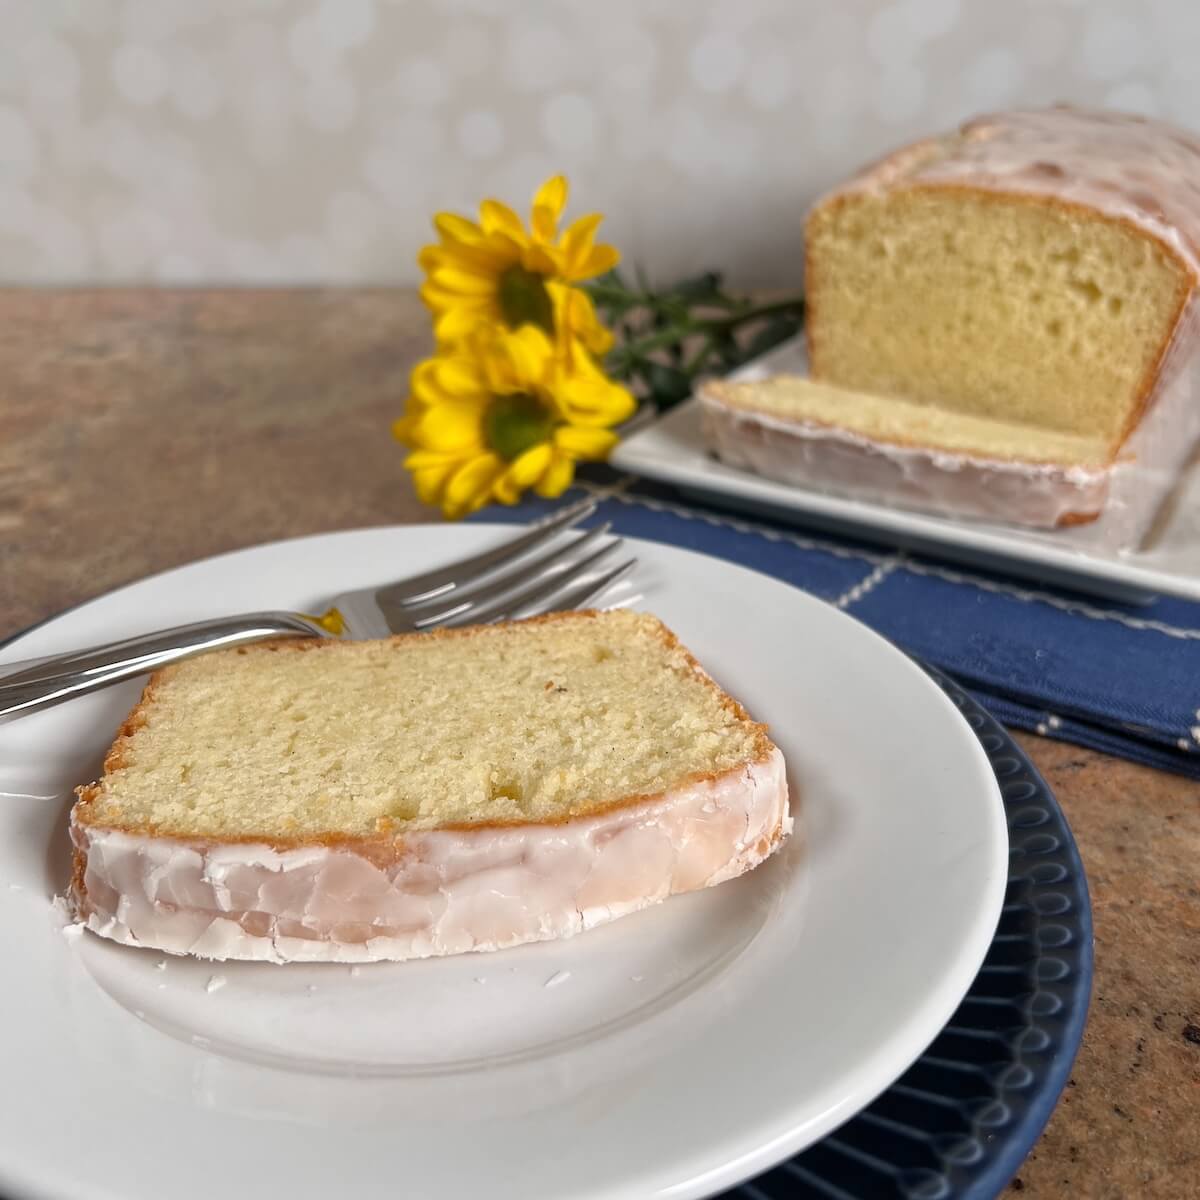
[[672, 1053]]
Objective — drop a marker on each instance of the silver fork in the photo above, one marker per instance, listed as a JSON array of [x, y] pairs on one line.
[[536, 572]]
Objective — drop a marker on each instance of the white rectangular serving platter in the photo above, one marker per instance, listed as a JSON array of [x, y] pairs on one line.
[[1167, 562]]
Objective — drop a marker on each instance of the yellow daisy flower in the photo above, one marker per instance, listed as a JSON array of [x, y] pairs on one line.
[[502, 412], [495, 271]]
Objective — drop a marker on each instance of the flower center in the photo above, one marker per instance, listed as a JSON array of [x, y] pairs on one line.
[[512, 424], [524, 299]]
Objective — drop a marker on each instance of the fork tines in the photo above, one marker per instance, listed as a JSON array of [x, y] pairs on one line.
[[480, 568], [564, 577]]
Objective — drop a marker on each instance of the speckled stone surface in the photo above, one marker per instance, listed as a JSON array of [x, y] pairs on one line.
[[1128, 1124], [142, 429]]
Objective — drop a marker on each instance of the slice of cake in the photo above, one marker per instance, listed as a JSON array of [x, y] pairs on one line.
[[891, 451], [429, 794], [1025, 290]]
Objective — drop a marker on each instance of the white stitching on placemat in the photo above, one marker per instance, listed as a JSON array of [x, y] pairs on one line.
[[1029, 596], [1026, 595], [607, 491], [868, 583]]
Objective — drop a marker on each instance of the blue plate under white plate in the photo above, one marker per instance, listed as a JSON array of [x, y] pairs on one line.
[[959, 1122]]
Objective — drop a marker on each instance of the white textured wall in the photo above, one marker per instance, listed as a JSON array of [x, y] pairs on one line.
[[281, 141]]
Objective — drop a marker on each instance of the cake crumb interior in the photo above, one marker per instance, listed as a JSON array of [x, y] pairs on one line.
[[539, 721]]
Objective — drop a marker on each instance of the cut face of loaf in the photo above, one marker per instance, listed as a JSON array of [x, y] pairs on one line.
[[1033, 268], [431, 794]]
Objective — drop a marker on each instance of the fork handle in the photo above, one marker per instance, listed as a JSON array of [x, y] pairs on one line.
[[29, 686]]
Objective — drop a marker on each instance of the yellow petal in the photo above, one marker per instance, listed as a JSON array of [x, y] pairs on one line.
[[584, 443], [430, 482], [454, 228], [443, 379], [430, 258], [460, 377], [438, 300], [544, 223], [542, 259], [557, 477], [552, 196], [431, 297], [575, 313], [488, 257], [596, 338], [523, 472], [528, 468], [471, 485], [459, 322], [450, 428], [583, 400], [548, 204], [463, 282], [599, 260], [425, 460], [595, 402], [579, 238], [584, 365], [499, 218], [622, 404], [402, 427], [491, 346], [581, 232], [422, 384], [531, 352], [499, 371], [507, 249], [423, 373]]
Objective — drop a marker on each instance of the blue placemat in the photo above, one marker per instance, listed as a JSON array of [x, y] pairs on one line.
[[1122, 679]]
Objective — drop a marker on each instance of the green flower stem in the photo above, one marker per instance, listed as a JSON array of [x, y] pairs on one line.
[[626, 355], [692, 367], [671, 337], [606, 294]]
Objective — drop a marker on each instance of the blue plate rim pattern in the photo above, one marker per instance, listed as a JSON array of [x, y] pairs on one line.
[[958, 1124]]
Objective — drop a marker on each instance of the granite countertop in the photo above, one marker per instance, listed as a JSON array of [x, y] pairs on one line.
[[142, 429]]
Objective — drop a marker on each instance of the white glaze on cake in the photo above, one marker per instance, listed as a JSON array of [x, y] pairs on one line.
[[1125, 167], [445, 891], [807, 454]]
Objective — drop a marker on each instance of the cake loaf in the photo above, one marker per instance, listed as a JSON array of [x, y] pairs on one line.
[[996, 319], [424, 795]]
